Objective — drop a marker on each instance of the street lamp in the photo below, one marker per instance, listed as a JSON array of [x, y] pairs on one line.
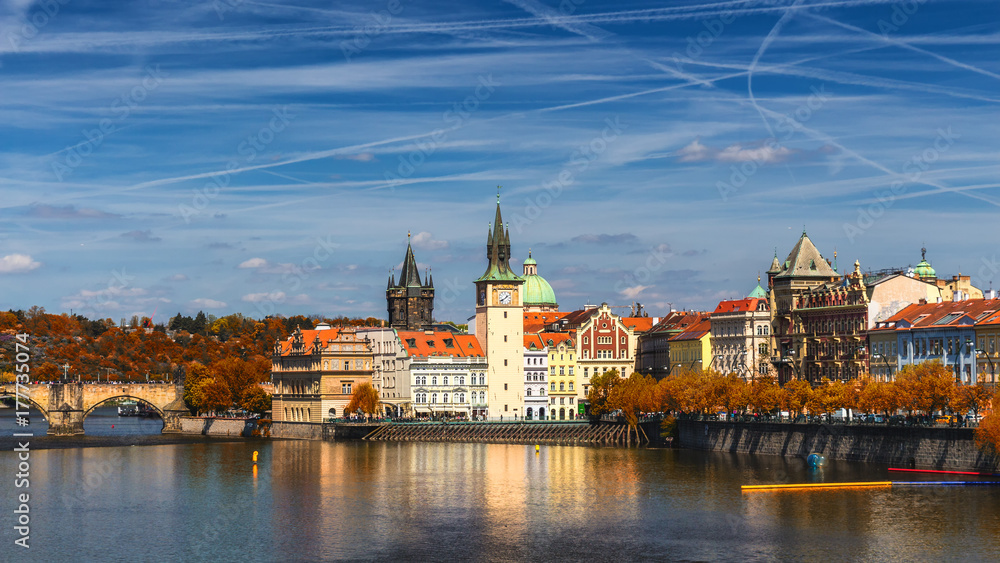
[[993, 370], [888, 367]]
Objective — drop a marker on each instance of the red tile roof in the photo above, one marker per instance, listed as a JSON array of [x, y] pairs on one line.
[[638, 324], [535, 321], [421, 345], [738, 305]]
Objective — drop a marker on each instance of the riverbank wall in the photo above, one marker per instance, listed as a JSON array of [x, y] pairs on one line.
[[949, 449], [208, 426]]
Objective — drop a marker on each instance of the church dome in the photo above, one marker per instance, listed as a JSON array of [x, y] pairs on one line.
[[924, 269], [537, 291]]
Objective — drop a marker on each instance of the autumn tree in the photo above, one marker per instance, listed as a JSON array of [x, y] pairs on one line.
[[988, 432], [764, 395], [632, 396], [214, 396], [795, 395], [600, 391], [927, 386], [365, 399], [971, 398], [255, 400]]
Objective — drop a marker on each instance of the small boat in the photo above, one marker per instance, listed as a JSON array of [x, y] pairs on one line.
[[128, 408]]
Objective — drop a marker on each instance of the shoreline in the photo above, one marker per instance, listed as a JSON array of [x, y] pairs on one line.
[[47, 442]]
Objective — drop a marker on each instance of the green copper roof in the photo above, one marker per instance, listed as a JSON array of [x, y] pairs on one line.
[[758, 292], [498, 253], [537, 291], [925, 270], [530, 261]]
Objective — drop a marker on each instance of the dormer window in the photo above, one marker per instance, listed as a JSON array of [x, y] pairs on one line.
[[449, 343], [412, 342]]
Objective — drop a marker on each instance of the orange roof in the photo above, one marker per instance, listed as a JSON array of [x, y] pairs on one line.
[[946, 313], [309, 339], [695, 332], [638, 324], [738, 305], [536, 321], [678, 321], [421, 344]]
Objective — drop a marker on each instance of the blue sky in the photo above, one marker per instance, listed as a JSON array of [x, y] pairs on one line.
[[255, 157]]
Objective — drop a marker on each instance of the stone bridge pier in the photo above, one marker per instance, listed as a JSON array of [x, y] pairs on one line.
[[66, 405]]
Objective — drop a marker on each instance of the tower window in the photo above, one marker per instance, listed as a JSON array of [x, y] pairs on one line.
[[505, 316]]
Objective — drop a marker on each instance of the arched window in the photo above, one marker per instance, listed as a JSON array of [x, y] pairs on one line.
[[445, 398], [333, 413], [527, 392], [562, 385], [553, 384], [434, 380], [445, 382], [434, 397]]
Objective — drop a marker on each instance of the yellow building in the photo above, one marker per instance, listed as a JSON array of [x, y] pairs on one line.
[[884, 355], [692, 349], [988, 349], [564, 386]]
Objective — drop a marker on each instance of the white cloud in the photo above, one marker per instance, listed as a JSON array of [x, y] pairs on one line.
[[17, 264], [264, 267], [177, 278], [424, 240], [634, 291], [205, 303], [253, 263], [274, 296], [761, 154]]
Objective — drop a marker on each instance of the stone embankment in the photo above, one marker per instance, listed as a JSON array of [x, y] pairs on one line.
[[951, 449]]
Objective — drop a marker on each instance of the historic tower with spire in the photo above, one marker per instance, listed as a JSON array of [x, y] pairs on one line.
[[500, 324], [411, 303]]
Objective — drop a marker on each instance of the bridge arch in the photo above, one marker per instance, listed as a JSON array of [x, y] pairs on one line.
[[23, 399], [127, 396]]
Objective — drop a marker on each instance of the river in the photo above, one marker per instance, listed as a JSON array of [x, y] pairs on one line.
[[305, 501]]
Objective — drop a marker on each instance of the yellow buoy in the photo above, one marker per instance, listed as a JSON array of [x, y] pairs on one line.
[[255, 456], [537, 448]]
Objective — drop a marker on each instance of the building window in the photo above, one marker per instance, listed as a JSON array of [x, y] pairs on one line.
[[562, 385], [586, 372], [345, 388], [586, 340], [444, 398], [571, 400], [552, 385], [571, 370], [434, 380], [505, 362], [505, 316], [444, 381], [461, 380], [553, 400], [505, 338], [527, 392], [570, 385], [504, 386], [562, 370]]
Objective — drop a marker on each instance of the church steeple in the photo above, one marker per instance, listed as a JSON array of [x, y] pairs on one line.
[[410, 304], [498, 250]]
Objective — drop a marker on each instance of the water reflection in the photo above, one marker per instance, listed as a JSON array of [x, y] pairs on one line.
[[428, 501]]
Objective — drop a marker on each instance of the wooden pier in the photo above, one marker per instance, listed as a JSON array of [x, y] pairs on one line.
[[548, 433]]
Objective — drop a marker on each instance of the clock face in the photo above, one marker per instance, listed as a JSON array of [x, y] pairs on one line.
[[504, 298]]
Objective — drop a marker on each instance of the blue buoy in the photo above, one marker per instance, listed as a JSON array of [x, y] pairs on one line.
[[816, 460]]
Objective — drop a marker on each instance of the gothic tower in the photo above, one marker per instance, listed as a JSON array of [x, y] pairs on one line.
[[500, 324], [411, 303]]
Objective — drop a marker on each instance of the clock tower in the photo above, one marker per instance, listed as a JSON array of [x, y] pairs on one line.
[[500, 325]]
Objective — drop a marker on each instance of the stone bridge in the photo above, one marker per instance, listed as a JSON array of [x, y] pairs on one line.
[[66, 405]]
